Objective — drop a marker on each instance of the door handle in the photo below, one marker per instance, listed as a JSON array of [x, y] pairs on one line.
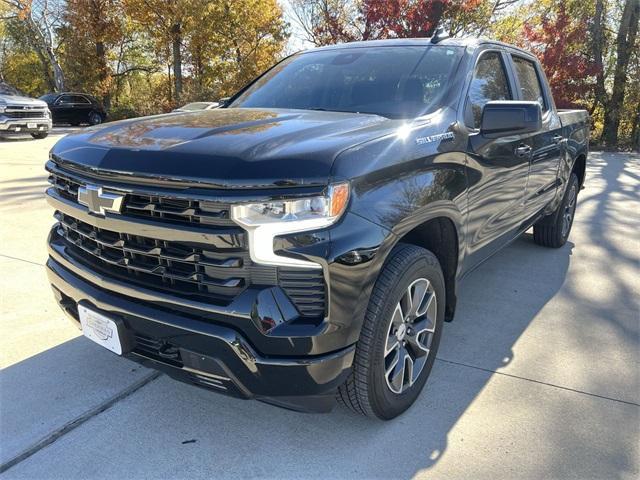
[[523, 150], [558, 138]]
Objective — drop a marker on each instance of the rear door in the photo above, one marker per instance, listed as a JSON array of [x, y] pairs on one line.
[[546, 144], [497, 168], [82, 107]]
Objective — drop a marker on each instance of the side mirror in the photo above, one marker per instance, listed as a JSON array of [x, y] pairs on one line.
[[504, 118], [223, 102]]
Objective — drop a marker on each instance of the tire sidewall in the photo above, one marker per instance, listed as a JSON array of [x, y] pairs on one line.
[[573, 181], [93, 116], [385, 403]]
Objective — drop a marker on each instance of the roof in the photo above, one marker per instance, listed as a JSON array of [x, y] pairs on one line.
[[406, 42]]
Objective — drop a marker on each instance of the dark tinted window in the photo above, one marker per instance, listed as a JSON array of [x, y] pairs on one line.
[[489, 83], [49, 97], [65, 99], [396, 82], [530, 87], [79, 99]]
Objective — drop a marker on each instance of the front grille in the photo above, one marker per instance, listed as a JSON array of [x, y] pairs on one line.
[[166, 209], [13, 112], [198, 271], [191, 270]]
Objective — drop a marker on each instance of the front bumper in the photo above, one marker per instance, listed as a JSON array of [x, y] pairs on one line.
[[212, 356], [24, 125]]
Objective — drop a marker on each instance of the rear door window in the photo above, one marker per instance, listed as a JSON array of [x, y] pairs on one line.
[[489, 83], [80, 100], [530, 87]]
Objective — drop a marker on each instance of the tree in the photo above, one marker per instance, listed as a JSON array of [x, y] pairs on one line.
[[234, 41], [41, 18], [558, 38], [92, 29], [332, 21], [625, 41]]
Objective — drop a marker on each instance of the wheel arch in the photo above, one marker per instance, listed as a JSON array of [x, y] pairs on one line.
[[580, 168], [439, 230]]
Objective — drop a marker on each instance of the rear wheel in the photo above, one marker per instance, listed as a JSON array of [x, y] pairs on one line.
[[554, 229], [400, 335], [95, 118]]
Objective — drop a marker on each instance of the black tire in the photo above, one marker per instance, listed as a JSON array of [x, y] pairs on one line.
[[40, 135], [95, 118], [553, 230], [367, 390]]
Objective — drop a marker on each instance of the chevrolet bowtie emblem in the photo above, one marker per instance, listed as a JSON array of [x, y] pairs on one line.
[[98, 201]]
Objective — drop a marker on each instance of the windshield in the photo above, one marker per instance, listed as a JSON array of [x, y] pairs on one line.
[[6, 89], [395, 82]]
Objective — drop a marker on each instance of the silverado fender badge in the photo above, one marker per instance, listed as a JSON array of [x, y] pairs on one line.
[[435, 138], [98, 201]]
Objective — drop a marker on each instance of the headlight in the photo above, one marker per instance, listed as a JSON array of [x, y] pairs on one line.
[[264, 221]]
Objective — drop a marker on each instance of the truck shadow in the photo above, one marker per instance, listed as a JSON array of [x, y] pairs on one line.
[[186, 431]]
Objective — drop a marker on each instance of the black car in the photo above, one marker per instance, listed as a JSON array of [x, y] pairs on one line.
[[75, 108], [306, 241]]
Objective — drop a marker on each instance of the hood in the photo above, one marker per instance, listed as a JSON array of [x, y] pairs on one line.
[[22, 101], [225, 148]]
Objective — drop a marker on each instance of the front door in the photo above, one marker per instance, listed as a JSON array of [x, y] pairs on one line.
[[62, 108]]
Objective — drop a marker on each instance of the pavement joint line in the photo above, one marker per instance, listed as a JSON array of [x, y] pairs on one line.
[[78, 421], [21, 260], [604, 397]]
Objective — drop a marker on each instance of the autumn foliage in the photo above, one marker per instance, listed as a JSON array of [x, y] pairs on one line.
[[145, 56]]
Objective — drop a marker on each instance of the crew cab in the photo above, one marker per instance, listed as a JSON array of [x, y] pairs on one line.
[[305, 242], [22, 114]]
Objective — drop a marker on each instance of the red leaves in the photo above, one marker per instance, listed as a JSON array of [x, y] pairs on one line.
[[560, 42]]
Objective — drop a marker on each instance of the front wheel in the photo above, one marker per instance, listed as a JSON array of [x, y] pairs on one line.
[[553, 230], [400, 335], [40, 135]]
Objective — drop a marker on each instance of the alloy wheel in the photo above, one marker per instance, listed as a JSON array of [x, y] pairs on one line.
[[409, 336], [569, 211]]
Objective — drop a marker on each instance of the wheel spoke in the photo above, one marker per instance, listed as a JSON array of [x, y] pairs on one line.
[[392, 344], [426, 307], [408, 370], [396, 375], [393, 363], [398, 316], [416, 293]]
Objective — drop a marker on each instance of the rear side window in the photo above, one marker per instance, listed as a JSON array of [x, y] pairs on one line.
[[79, 99], [530, 87], [489, 83]]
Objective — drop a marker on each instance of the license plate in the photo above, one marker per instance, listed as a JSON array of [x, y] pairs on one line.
[[32, 125], [100, 329]]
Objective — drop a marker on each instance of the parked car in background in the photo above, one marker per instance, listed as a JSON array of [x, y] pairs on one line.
[[75, 108], [22, 114], [193, 106]]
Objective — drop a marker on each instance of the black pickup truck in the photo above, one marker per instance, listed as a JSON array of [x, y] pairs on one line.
[[305, 242]]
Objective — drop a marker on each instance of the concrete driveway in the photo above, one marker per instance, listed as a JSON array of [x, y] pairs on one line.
[[538, 376]]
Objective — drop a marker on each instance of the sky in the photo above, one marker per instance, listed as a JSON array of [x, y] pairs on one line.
[[296, 40]]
